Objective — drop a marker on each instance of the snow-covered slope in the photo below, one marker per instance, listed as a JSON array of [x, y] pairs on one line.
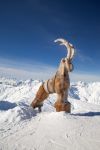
[[25, 129], [89, 92]]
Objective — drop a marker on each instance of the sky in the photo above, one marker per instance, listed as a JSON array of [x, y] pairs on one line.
[[28, 29]]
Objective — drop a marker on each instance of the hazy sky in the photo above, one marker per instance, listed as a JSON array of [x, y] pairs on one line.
[[29, 27]]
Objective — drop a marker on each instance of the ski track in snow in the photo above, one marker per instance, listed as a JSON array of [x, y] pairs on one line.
[[25, 129]]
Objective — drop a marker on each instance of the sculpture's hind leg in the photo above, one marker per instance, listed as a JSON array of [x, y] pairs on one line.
[[40, 97], [62, 105]]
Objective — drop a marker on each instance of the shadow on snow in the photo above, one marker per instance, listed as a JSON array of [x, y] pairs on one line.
[[88, 114], [5, 105]]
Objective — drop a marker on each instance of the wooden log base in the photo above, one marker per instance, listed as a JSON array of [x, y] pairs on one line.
[[63, 106]]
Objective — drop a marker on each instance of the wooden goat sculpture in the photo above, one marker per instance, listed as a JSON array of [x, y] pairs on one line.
[[59, 83]]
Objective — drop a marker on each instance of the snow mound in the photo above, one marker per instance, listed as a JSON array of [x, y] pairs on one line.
[[14, 113], [53, 131]]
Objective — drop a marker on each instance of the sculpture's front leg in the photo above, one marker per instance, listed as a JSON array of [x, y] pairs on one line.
[[40, 97], [66, 96]]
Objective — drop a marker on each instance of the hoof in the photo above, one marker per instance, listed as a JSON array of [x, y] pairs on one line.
[[39, 106]]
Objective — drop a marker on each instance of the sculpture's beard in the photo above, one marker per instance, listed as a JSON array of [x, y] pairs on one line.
[[71, 67]]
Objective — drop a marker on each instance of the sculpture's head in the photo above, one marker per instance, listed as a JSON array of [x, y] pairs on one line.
[[67, 61]]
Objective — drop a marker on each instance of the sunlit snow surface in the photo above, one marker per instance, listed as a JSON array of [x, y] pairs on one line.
[[23, 128]]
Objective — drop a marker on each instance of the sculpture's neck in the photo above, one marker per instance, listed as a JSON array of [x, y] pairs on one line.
[[62, 72]]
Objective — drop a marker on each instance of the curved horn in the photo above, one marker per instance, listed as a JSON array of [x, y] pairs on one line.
[[69, 46], [72, 51], [66, 44]]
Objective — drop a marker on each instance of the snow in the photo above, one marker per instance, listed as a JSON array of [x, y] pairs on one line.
[[23, 128]]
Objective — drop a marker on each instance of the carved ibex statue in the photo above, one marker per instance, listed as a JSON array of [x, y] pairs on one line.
[[59, 83]]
